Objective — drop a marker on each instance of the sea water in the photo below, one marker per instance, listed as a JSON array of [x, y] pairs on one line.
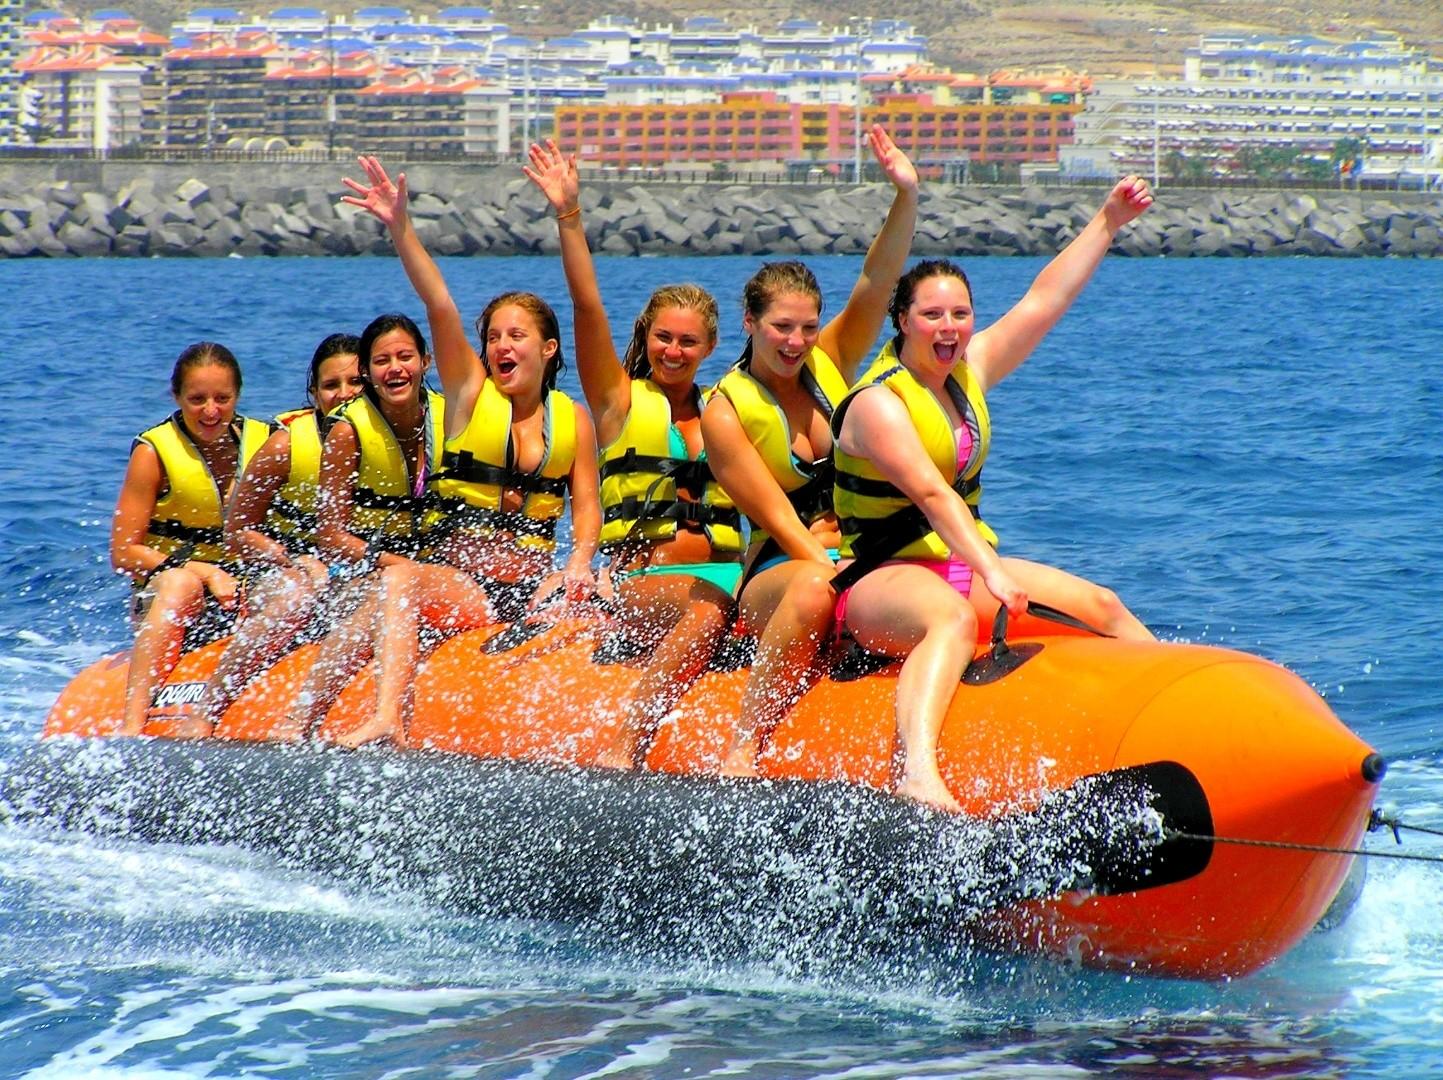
[[1249, 452]]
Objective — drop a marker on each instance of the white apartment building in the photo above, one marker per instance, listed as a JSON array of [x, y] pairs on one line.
[[12, 47], [1243, 91]]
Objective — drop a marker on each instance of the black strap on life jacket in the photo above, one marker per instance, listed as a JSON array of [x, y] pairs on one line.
[[462, 465], [459, 514], [189, 534], [879, 539]]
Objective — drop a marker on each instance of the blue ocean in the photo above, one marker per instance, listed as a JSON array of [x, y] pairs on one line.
[[1249, 452]]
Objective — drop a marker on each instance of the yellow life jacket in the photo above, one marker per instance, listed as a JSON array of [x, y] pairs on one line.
[[191, 510], [479, 466], [291, 517], [386, 507], [865, 501], [808, 485], [640, 473]]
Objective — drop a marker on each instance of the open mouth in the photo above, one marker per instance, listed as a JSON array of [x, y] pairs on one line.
[[945, 351], [505, 367]]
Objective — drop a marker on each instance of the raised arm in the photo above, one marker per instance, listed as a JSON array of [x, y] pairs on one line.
[[605, 383], [457, 363], [878, 428], [741, 472], [129, 554], [849, 337], [995, 352], [254, 491]]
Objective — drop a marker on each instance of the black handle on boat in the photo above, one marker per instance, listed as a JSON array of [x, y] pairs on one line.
[[1041, 611]]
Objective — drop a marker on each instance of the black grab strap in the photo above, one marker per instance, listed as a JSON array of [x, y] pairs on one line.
[[1039, 611]]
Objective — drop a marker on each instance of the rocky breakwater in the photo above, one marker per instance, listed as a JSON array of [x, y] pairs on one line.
[[146, 216]]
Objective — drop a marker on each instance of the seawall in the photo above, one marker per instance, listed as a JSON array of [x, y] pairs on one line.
[[117, 208]]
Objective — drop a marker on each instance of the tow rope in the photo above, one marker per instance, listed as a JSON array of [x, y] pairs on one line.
[[1376, 820]]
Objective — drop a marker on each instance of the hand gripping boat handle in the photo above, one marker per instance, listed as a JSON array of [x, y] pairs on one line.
[[1040, 611]]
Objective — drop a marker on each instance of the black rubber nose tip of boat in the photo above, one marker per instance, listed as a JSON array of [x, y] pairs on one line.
[[1374, 768]]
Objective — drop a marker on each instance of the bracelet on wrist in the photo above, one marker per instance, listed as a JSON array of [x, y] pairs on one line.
[[570, 213]]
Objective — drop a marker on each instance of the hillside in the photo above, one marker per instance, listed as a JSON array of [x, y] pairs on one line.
[[1099, 36]]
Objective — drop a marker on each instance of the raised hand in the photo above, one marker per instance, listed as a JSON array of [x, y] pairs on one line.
[[897, 165], [555, 174], [382, 199], [1127, 200]]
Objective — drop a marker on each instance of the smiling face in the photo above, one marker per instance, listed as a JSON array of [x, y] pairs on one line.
[[676, 344], [783, 334], [338, 379], [207, 400], [937, 325], [396, 367], [517, 352]]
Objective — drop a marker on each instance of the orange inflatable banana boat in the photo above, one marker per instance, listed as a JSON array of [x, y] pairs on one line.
[[1246, 775]]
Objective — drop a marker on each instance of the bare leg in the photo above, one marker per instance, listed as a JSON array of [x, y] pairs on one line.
[[410, 593], [1093, 604], [683, 619], [786, 664], [345, 651], [179, 598], [910, 612], [280, 606]]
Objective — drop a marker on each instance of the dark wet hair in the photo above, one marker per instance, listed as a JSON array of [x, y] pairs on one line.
[[773, 280], [545, 320], [384, 324], [201, 354], [906, 290], [687, 297], [331, 345]]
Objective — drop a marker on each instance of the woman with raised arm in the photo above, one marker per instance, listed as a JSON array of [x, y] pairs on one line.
[[380, 453], [767, 433], [270, 528], [515, 448], [673, 536], [912, 437], [166, 533]]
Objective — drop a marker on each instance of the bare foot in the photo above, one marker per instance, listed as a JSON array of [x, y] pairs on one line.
[[742, 761], [372, 732], [930, 791]]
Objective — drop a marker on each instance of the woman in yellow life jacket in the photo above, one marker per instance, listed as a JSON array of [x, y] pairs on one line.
[[379, 456], [515, 449], [767, 433], [673, 536], [270, 527], [166, 533], [912, 437]]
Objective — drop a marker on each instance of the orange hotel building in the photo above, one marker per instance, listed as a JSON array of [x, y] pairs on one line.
[[758, 127]]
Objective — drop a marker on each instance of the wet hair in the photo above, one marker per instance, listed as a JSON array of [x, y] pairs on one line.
[[379, 326], [202, 354], [687, 297], [331, 345], [906, 290], [545, 321], [775, 279]]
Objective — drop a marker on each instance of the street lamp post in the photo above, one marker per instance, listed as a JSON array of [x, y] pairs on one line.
[[1157, 32], [863, 26]]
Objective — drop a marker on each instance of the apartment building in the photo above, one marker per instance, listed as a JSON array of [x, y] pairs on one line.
[[1242, 93], [762, 127], [87, 84], [13, 117]]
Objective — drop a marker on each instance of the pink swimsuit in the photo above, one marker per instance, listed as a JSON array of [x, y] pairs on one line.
[[954, 571]]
